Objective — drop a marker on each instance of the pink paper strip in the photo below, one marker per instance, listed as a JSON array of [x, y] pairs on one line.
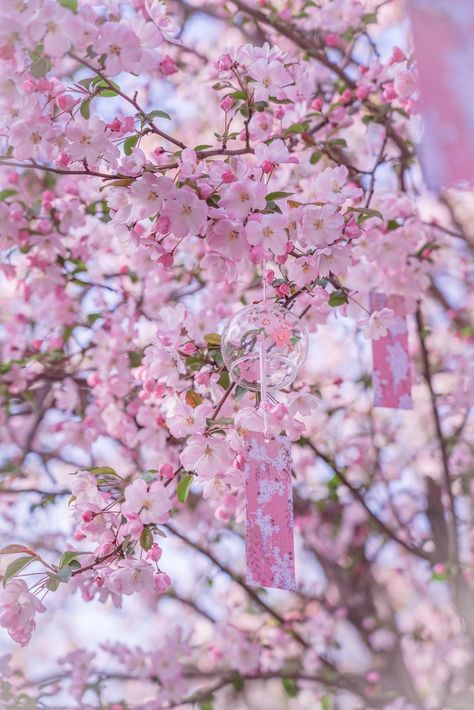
[[269, 527], [444, 38], [392, 371]]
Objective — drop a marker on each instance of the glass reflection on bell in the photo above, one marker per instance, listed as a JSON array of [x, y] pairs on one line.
[[268, 329]]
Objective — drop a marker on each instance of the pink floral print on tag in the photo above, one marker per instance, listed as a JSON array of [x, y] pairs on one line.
[[392, 368], [269, 527], [444, 39]]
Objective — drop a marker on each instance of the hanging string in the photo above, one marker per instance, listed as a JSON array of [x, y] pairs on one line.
[[263, 362]]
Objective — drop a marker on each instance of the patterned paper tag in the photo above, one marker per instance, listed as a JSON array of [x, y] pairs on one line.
[[269, 527], [444, 49], [392, 370]]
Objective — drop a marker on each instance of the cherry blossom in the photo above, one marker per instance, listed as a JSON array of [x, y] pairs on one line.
[[151, 503], [207, 456]]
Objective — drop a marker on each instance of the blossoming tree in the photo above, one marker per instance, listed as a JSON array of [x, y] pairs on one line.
[[159, 162]]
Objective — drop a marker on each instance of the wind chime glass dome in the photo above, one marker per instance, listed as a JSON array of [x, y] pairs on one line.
[[267, 342]]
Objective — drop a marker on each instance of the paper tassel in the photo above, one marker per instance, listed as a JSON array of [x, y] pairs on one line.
[[392, 369], [444, 37], [269, 527]]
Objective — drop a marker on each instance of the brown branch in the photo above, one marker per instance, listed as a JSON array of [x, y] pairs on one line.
[[360, 498], [132, 101], [428, 375]]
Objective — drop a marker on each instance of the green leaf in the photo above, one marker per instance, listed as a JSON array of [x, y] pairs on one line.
[[297, 128], [16, 566], [202, 146], [290, 687], [86, 109], [240, 391], [238, 682], [4, 194], [86, 82], [103, 471], [135, 357], [224, 380], [206, 705], [337, 298], [278, 195], [193, 398], [149, 475], [65, 574], [53, 582], [183, 487], [369, 18], [129, 144], [315, 157], [366, 212], [68, 557], [213, 339], [16, 549], [157, 114], [146, 539], [70, 4], [238, 95], [40, 68]]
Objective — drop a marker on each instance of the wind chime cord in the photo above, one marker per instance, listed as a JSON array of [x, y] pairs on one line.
[[263, 363]]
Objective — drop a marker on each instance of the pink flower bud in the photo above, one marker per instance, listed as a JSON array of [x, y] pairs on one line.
[[346, 96], [166, 261], [87, 516], [29, 86], [115, 125], [362, 92], [283, 290], [154, 553], [289, 247], [224, 63], [373, 677], [65, 101], [389, 93], [228, 177], [13, 178], [397, 55], [267, 166], [166, 470], [226, 103], [281, 258], [279, 112], [317, 104], [189, 348], [332, 40], [168, 66], [63, 160]]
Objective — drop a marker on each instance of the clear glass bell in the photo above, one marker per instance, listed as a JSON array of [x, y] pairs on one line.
[[265, 343]]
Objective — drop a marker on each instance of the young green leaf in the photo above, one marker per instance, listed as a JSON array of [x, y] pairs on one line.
[[183, 488], [16, 566]]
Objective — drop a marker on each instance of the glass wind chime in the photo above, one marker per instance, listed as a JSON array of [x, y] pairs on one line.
[[264, 347]]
